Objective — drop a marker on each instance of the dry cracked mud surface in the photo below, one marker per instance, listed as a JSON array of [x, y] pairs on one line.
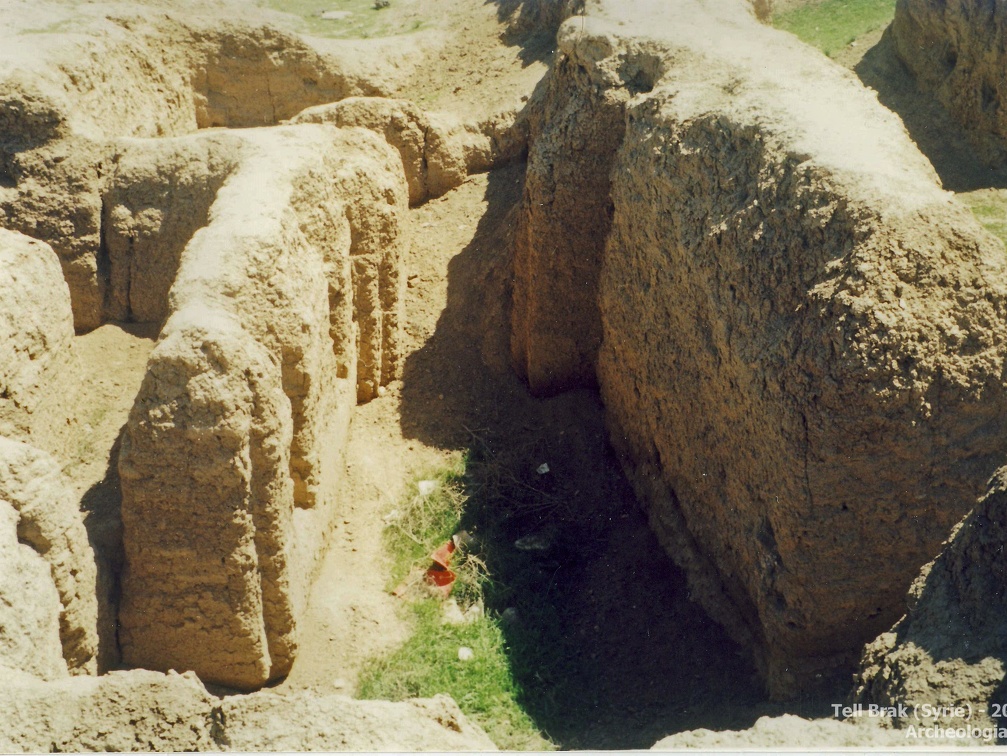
[[262, 264]]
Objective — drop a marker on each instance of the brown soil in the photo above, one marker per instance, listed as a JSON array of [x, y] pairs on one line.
[[113, 359], [640, 659], [478, 72], [648, 661]]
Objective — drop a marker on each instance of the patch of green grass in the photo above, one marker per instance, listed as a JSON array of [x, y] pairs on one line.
[[483, 686], [428, 663], [422, 523], [363, 21], [834, 24], [990, 208]]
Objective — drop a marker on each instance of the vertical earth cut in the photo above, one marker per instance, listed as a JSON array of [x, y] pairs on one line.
[[948, 651], [283, 311], [957, 50], [798, 337]]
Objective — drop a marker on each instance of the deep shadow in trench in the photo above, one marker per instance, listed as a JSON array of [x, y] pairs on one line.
[[937, 135], [102, 505], [603, 639], [532, 25]]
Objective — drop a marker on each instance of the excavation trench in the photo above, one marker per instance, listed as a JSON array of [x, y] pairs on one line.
[[619, 654], [682, 337]]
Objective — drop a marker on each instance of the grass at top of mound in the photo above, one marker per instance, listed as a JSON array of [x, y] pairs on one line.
[[834, 24], [349, 19], [990, 208], [429, 662]]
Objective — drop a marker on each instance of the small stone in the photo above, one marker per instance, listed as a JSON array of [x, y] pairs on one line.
[[542, 469], [427, 487], [464, 540], [466, 654], [534, 542], [452, 613]]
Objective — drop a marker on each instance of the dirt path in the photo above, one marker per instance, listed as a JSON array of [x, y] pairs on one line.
[[351, 615]]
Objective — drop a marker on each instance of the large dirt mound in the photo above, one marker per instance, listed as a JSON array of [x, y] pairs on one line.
[[284, 312], [148, 711], [949, 651], [802, 337], [957, 50]]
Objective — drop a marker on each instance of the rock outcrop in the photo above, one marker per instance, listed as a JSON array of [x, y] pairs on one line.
[[283, 313], [36, 328], [149, 711], [50, 523], [957, 50], [949, 651], [798, 337]]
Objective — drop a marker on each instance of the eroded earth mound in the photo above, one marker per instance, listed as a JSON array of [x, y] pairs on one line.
[[799, 338], [255, 376], [957, 51], [949, 651], [149, 711]]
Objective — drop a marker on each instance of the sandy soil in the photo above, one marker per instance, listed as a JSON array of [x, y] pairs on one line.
[[641, 660], [472, 76], [648, 661], [113, 359]]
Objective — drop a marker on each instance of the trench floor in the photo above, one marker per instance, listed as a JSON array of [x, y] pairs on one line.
[[623, 656]]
